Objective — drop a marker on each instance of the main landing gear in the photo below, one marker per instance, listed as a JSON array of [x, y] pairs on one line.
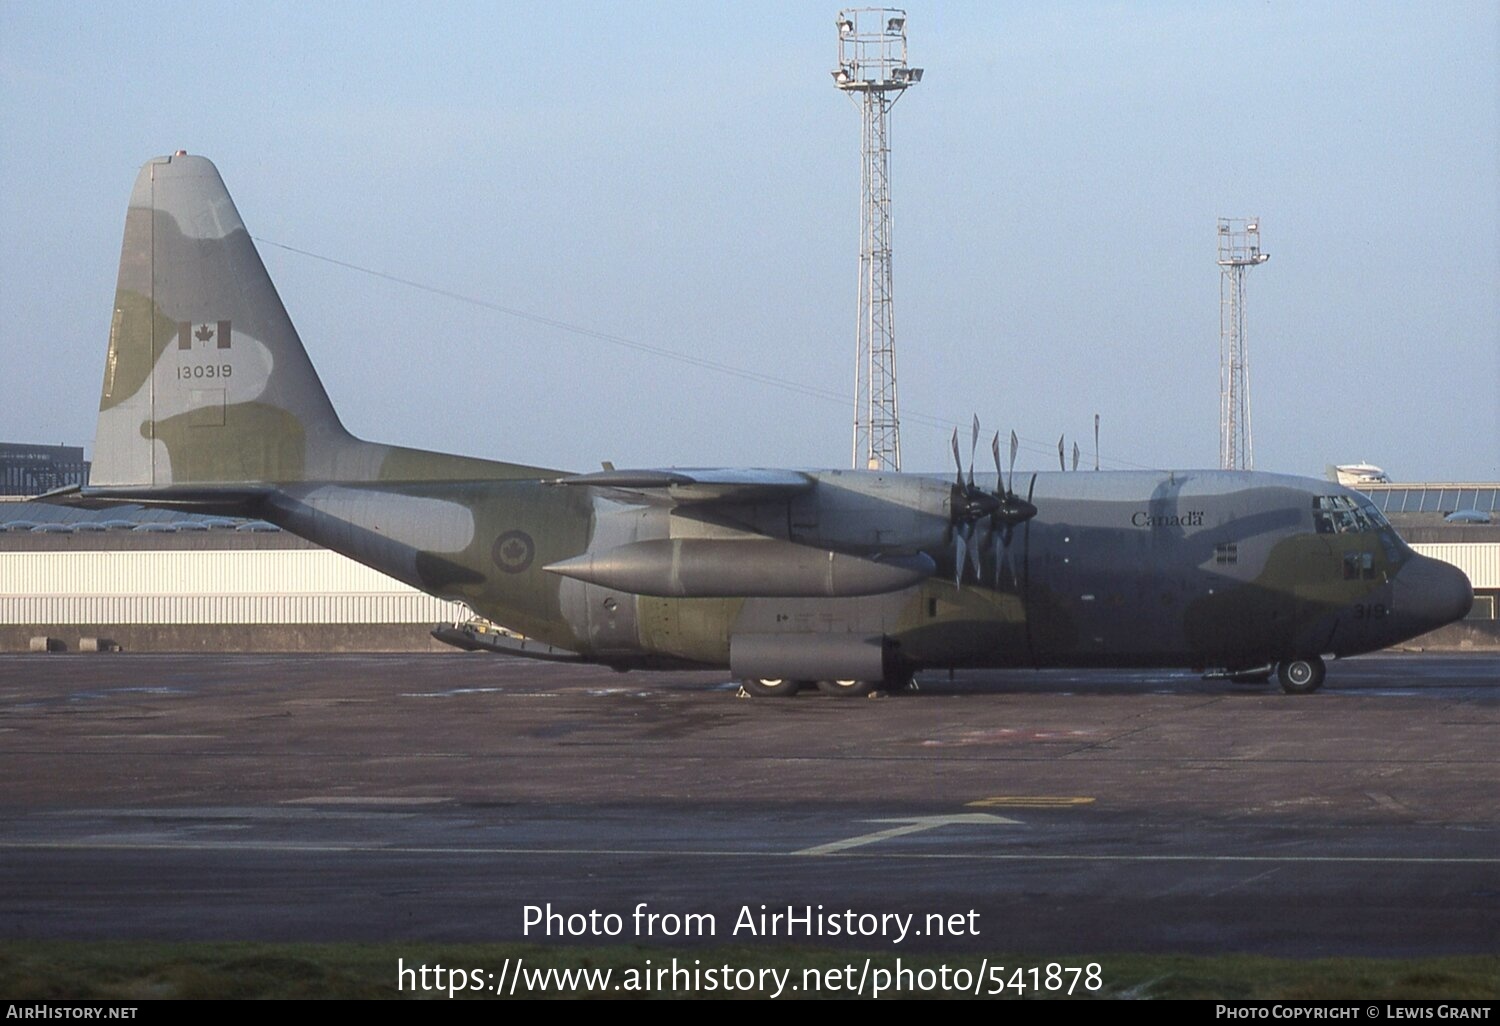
[[778, 687], [847, 688], [786, 688]]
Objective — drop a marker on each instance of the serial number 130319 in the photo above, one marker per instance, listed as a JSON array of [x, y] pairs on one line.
[[205, 370]]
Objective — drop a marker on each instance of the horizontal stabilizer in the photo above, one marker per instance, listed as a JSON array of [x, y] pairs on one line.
[[231, 501]]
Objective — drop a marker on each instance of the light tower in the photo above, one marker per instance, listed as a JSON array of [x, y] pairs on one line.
[[1239, 250], [873, 72]]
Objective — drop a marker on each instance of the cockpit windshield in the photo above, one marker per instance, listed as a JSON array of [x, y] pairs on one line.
[[1342, 514]]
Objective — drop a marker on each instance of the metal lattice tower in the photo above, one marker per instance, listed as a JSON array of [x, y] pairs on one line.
[[873, 72], [1239, 250]]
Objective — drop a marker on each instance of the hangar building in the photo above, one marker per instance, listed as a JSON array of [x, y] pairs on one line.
[[153, 580]]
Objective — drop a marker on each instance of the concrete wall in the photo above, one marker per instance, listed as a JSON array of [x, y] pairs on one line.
[[229, 637]]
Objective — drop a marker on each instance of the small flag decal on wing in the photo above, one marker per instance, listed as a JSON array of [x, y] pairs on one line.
[[188, 332]]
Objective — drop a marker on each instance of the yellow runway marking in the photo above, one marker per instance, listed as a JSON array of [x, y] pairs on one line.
[[1034, 801]]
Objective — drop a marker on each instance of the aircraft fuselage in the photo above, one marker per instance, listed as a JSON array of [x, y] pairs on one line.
[[1189, 569]]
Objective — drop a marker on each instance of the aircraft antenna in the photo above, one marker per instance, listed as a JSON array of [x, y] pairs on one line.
[[1239, 250], [874, 74]]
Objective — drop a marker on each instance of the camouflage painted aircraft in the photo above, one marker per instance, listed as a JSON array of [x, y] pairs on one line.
[[846, 579]]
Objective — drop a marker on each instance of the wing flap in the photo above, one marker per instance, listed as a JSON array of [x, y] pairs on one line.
[[697, 487]]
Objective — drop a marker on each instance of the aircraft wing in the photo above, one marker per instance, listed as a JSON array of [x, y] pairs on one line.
[[697, 487]]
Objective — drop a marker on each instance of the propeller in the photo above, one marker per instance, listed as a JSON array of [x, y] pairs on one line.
[[1002, 508], [970, 504], [1011, 509]]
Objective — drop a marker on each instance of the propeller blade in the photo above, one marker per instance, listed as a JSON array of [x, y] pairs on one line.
[[1060, 464], [1003, 551], [960, 550], [1075, 455], [994, 535], [974, 561], [1006, 533], [957, 462], [1027, 586], [973, 448], [1015, 443], [1096, 441]]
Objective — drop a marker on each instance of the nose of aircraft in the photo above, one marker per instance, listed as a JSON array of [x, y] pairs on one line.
[[1428, 593]]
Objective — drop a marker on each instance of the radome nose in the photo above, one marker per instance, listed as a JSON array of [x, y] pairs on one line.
[[1431, 593]]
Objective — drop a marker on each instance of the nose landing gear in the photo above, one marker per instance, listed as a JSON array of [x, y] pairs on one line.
[[1301, 676]]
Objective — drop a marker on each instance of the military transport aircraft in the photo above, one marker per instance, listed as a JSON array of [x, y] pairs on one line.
[[846, 579]]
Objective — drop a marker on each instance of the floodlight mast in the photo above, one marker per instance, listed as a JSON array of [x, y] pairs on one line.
[[874, 72], [1239, 250]]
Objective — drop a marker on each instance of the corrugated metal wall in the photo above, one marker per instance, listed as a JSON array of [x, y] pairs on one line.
[[298, 586], [1480, 560]]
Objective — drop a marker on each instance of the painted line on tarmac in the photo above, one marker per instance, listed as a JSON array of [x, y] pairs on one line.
[[908, 825], [378, 849]]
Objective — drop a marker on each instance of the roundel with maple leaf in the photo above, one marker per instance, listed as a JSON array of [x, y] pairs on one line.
[[513, 551]]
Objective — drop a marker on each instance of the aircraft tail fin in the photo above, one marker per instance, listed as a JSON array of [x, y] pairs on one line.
[[206, 380], [207, 384]]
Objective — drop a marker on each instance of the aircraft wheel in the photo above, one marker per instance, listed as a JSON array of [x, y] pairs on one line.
[[1301, 676], [846, 688], [766, 687]]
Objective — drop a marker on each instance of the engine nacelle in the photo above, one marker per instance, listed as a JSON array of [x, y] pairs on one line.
[[741, 567]]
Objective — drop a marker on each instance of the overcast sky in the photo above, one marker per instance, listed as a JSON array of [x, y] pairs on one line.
[[686, 177]]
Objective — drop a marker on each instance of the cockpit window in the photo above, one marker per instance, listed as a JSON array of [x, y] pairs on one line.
[[1334, 514], [1341, 514]]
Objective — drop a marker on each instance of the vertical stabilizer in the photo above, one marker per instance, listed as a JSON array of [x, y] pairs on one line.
[[206, 384], [206, 381]]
